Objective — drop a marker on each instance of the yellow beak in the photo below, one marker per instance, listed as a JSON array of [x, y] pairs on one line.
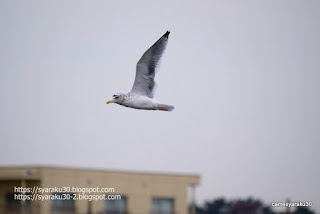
[[110, 101]]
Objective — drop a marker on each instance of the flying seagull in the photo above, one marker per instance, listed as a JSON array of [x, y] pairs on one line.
[[144, 86]]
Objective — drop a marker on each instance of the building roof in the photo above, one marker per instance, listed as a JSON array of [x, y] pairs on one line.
[[33, 172]]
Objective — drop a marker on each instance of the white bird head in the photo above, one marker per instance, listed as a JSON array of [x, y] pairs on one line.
[[117, 98]]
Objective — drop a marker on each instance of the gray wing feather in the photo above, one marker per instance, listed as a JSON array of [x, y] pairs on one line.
[[147, 66]]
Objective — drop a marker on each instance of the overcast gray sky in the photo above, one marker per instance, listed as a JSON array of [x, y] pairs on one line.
[[243, 75]]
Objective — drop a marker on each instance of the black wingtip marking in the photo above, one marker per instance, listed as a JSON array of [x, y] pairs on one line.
[[167, 34]]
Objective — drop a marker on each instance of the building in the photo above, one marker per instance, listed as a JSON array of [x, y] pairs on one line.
[[56, 190]]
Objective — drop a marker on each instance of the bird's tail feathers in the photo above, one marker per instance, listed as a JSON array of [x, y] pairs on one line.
[[164, 107]]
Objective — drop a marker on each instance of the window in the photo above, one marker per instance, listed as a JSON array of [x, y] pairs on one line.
[[162, 206], [14, 202], [63, 202], [116, 206]]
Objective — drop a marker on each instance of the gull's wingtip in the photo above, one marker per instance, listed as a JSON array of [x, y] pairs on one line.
[[166, 34]]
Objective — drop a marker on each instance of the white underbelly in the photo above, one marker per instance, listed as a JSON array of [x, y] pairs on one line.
[[140, 102]]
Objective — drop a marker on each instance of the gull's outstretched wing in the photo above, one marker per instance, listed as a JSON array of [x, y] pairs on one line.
[[146, 70]]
